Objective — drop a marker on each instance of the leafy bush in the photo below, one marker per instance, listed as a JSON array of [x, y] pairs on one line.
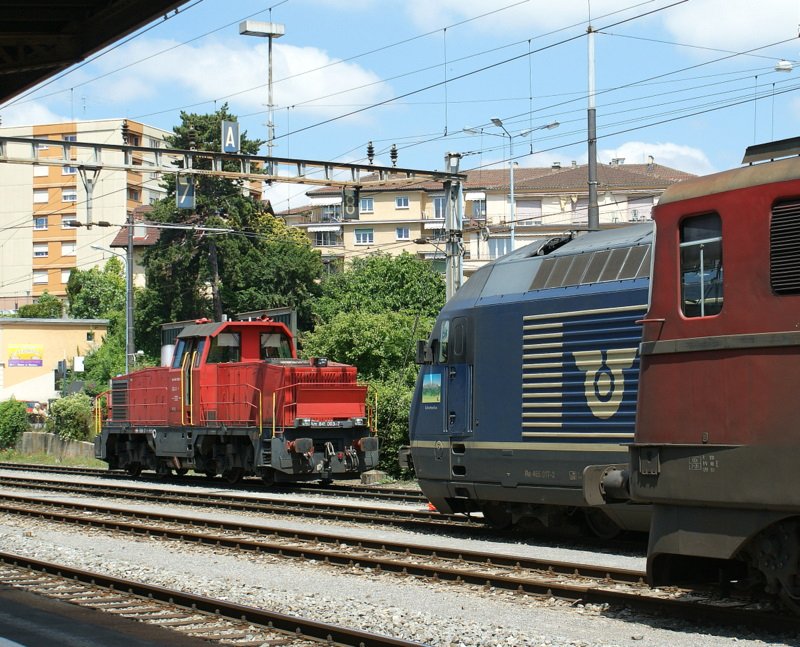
[[47, 306], [13, 421], [71, 417], [393, 403]]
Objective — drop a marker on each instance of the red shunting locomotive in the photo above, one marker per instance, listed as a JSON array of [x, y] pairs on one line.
[[236, 401]]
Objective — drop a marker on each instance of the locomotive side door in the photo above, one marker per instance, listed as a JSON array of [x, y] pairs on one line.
[[454, 352], [190, 380]]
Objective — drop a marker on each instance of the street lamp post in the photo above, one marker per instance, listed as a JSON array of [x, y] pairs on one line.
[[499, 123], [268, 30]]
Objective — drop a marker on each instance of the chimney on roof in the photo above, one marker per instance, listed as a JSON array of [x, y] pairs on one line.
[[574, 164], [650, 162], [556, 166], [617, 161]]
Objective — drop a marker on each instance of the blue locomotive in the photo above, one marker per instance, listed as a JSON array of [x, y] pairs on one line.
[[529, 377]]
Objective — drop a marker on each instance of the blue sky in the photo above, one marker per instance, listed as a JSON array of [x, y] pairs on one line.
[[691, 83]]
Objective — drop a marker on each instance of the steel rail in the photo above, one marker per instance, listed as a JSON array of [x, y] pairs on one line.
[[357, 491], [263, 505], [299, 627]]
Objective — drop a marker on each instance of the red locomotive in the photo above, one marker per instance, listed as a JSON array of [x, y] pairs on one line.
[[237, 401], [715, 448]]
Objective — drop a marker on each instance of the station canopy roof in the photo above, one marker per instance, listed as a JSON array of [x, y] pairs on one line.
[[40, 38]]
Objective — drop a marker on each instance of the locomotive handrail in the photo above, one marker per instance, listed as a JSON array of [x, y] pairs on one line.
[[98, 410], [240, 400], [183, 390]]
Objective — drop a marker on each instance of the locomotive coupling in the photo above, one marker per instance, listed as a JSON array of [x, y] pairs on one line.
[[604, 484]]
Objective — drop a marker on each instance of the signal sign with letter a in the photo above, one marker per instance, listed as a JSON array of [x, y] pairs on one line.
[[350, 203]]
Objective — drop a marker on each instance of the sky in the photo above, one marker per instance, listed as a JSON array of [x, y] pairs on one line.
[[691, 83]]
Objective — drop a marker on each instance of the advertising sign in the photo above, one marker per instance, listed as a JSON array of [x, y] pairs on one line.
[[25, 354]]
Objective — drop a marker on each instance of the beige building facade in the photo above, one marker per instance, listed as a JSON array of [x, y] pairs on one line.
[[547, 201], [39, 244], [31, 349]]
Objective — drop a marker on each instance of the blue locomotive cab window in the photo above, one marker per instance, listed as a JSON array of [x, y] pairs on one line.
[[701, 265], [444, 338], [225, 347]]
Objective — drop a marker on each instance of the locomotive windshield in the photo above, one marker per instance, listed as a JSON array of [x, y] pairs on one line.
[[225, 347]]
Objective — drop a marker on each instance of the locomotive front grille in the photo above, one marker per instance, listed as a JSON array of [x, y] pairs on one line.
[[119, 400]]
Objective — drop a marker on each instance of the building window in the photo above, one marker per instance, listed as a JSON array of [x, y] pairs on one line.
[[152, 142], [39, 277], [331, 213], [499, 247], [70, 138], [69, 195], [439, 206], [326, 239], [40, 222], [640, 209], [402, 233], [364, 236], [528, 212], [40, 196], [134, 140], [401, 202], [68, 170], [65, 277], [68, 249], [40, 171], [701, 265], [367, 205], [134, 194], [42, 147], [479, 209], [40, 250], [67, 221], [89, 334]]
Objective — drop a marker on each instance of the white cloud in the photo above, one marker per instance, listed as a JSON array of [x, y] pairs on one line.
[[731, 24], [235, 67], [678, 156], [28, 114]]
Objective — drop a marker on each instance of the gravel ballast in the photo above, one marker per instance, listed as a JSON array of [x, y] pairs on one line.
[[435, 614]]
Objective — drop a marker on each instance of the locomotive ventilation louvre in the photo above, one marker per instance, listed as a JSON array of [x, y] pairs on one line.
[[593, 267], [784, 238], [119, 400]]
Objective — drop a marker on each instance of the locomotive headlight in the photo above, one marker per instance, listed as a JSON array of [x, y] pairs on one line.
[[360, 422], [302, 422]]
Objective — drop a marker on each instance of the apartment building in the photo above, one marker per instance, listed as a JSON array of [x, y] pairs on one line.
[[548, 201], [39, 246]]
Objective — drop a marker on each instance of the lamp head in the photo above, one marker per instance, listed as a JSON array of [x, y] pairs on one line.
[[497, 122]]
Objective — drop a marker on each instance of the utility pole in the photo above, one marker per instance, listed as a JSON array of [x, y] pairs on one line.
[[130, 347], [594, 210], [454, 271]]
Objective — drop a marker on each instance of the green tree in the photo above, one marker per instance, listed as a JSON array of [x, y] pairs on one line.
[[13, 421], [380, 344], [193, 274], [383, 283], [71, 417], [47, 306], [95, 293]]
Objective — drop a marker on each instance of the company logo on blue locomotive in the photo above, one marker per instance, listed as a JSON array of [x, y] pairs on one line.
[[580, 373]]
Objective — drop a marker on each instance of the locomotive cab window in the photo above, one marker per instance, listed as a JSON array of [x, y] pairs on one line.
[[225, 347], [444, 336], [275, 345], [701, 265]]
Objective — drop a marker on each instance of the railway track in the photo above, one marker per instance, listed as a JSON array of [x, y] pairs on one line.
[[390, 494], [574, 582], [211, 619], [263, 504]]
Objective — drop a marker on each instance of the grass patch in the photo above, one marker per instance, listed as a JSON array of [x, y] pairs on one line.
[[11, 456]]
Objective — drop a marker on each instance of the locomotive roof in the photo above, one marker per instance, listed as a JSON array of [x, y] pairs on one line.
[[740, 178], [213, 328]]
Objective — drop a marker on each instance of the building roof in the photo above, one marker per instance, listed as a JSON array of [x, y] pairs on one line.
[[552, 179], [150, 234]]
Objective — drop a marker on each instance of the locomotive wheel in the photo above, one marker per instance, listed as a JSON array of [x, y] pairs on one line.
[[268, 477], [183, 471], [233, 475], [134, 470], [497, 516], [600, 524]]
